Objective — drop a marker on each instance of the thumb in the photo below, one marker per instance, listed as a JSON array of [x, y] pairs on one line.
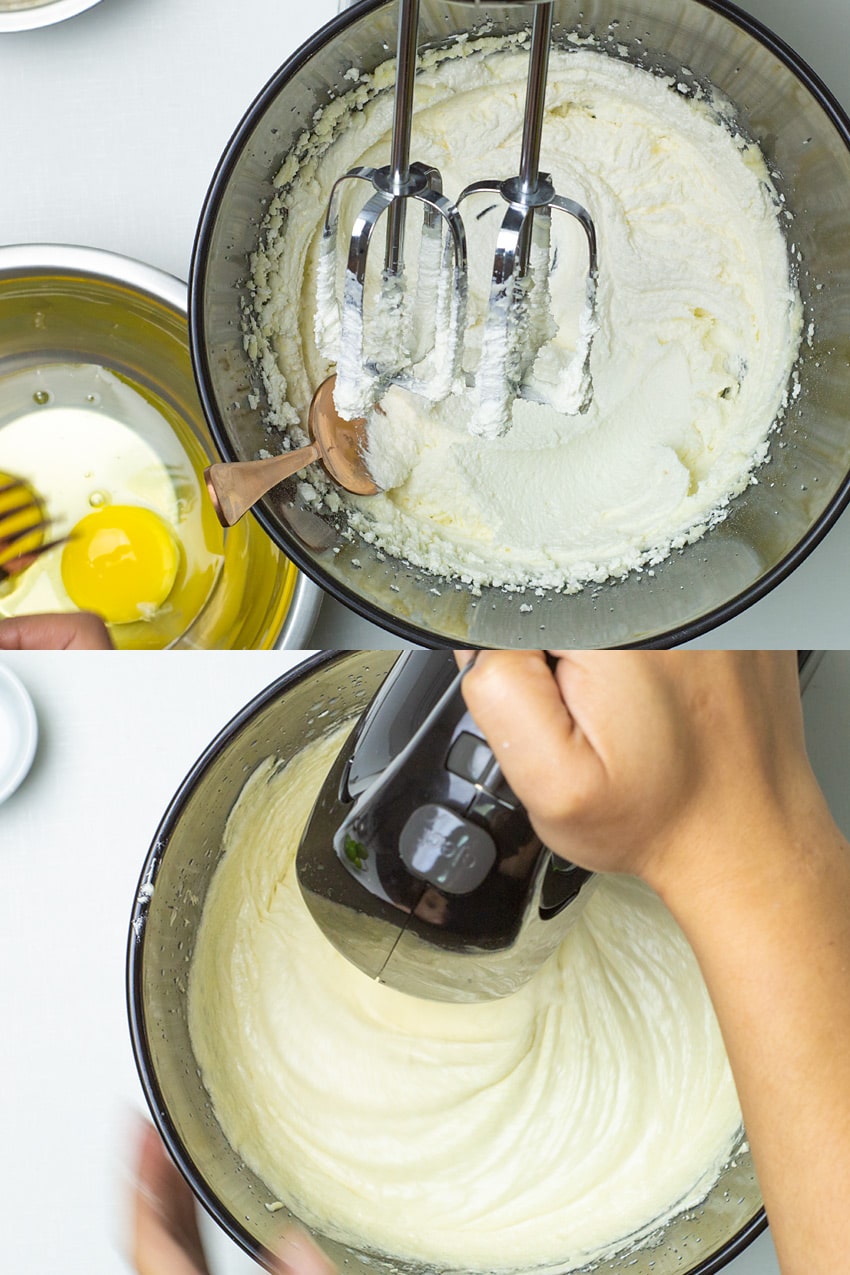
[[71, 631], [298, 1254]]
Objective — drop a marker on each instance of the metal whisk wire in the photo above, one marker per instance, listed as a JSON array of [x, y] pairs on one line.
[[518, 319], [403, 332], [22, 521]]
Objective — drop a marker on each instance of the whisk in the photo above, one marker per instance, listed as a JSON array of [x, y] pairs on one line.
[[519, 320], [403, 330], [22, 522]]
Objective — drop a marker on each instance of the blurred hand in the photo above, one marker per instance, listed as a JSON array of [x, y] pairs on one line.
[[75, 631], [166, 1239], [626, 760]]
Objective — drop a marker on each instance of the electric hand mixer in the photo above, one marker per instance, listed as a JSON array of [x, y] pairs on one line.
[[431, 332], [418, 862]]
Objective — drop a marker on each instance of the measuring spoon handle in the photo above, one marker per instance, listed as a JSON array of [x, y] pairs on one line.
[[234, 486]]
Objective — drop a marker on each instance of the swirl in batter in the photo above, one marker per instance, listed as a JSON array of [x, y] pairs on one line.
[[557, 1125]]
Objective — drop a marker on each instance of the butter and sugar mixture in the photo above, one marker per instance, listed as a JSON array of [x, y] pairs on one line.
[[560, 1124], [698, 319]]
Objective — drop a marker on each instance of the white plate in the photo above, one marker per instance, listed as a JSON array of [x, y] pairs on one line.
[[18, 733], [23, 15]]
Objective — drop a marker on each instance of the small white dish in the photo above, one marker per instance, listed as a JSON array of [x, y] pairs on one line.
[[25, 15], [18, 733]]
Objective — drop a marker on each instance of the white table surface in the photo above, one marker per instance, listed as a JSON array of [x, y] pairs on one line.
[[117, 735], [114, 122]]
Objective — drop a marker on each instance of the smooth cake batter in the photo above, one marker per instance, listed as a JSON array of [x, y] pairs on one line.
[[699, 322], [556, 1125]]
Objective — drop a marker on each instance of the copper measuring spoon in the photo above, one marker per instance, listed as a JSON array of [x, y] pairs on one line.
[[234, 486]]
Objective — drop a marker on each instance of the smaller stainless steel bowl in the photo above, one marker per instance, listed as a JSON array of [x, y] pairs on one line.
[[24, 15], [61, 304]]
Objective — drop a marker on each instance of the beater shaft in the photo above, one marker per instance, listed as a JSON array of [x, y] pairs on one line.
[[402, 125], [535, 100], [519, 320], [402, 333]]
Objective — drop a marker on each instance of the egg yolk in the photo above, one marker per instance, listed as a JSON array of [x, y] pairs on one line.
[[121, 562]]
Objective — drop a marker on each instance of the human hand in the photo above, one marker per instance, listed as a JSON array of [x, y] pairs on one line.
[[72, 631], [632, 761], [166, 1238]]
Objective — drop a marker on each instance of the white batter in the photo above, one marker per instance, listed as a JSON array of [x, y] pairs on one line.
[[699, 323], [550, 1126]]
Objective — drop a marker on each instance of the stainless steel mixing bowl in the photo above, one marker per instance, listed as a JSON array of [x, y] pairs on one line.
[[301, 706], [803, 487]]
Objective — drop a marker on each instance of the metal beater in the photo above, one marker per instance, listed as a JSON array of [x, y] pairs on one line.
[[519, 320], [402, 333]]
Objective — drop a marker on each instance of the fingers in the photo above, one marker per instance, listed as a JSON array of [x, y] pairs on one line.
[[512, 695], [166, 1239], [588, 747], [76, 631], [626, 760], [518, 704]]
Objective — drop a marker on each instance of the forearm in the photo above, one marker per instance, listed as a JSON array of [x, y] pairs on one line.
[[770, 926], [689, 769]]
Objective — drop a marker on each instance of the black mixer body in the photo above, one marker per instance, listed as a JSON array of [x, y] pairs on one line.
[[418, 862]]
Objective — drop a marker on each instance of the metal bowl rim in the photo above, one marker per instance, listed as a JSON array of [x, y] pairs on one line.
[[24, 259]]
